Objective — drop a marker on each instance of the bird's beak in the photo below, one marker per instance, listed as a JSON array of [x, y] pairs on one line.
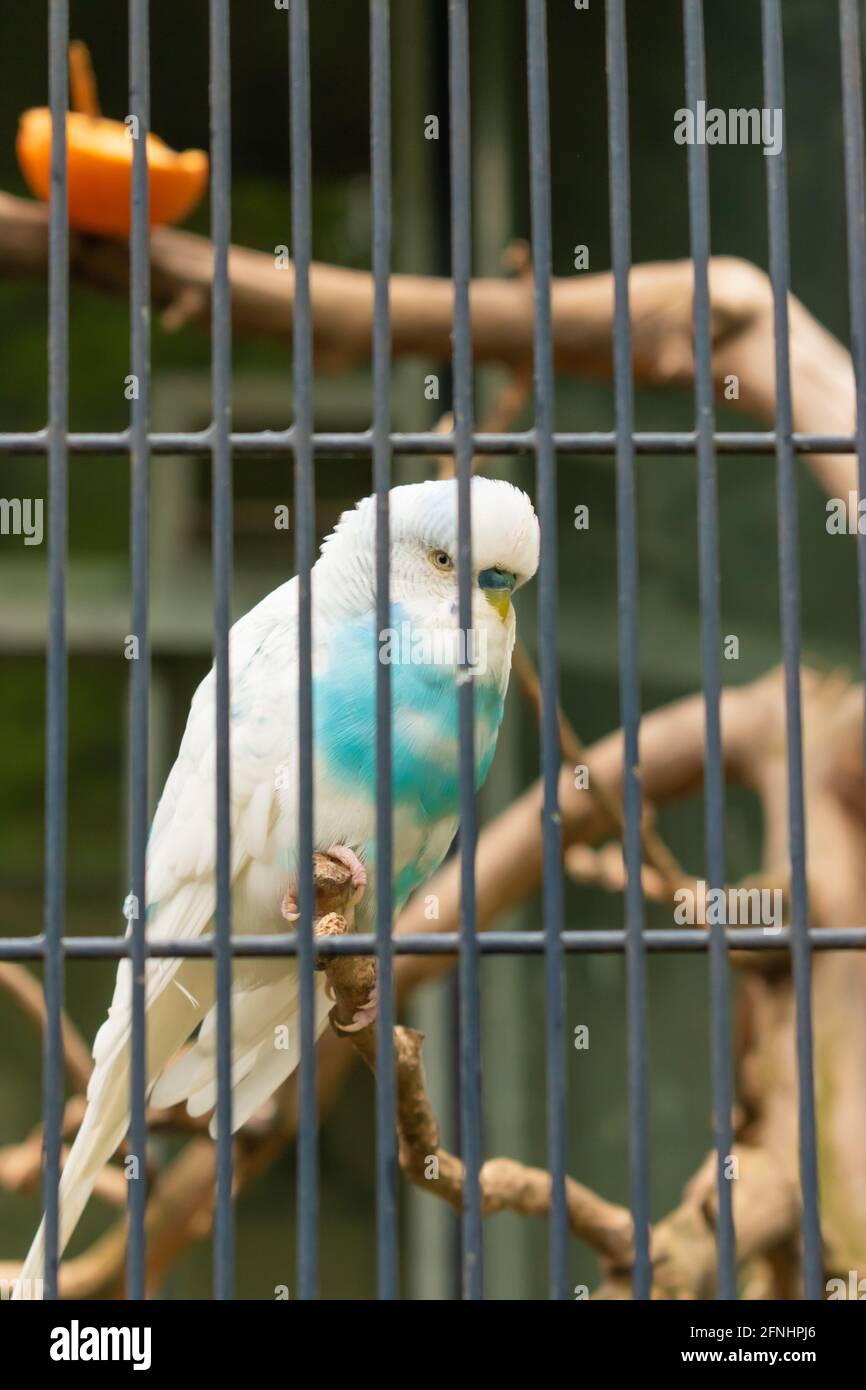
[[500, 599], [497, 586]]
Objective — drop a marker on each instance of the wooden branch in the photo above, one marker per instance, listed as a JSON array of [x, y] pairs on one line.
[[26, 991], [665, 874], [503, 411], [754, 746], [21, 1171], [506, 1184], [502, 318], [766, 1217], [508, 865], [517, 389], [766, 1198]]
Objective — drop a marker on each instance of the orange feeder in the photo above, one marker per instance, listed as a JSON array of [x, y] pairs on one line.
[[99, 162]]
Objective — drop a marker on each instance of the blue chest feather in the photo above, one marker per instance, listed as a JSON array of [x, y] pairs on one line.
[[425, 722]]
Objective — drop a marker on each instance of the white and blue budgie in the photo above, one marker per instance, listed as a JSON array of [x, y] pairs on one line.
[[264, 812]]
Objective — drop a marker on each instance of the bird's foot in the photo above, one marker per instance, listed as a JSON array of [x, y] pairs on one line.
[[365, 1015], [349, 859], [347, 856]]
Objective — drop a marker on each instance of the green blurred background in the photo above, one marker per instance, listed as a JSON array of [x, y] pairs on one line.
[[513, 996]]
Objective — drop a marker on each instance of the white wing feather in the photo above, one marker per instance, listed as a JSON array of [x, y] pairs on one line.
[[180, 881]]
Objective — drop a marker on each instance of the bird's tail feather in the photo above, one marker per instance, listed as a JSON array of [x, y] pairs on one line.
[[171, 1017], [96, 1141]]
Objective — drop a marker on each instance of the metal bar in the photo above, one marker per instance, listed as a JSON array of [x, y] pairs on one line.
[[380, 443], [56, 667], [386, 1086], [711, 640], [855, 206], [602, 941], [262, 443], [308, 1151], [539, 150], [222, 578], [139, 282], [789, 584], [627, 583], [470, 996]]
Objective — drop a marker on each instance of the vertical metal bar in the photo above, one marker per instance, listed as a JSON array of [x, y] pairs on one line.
[[711, 639], [629, 656], [386, 1103], [139, 108], [789, 584], [221, 365], [308, 1175], [56, 668], [855, 203], [545, 397], [470, 1002]]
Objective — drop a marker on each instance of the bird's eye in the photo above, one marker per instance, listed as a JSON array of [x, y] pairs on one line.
[[442, 560]]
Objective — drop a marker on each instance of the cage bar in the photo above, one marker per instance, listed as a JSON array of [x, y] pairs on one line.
[[855, 209], [139, 460], [305, 520], [629, 656], [789, 585], [56, 659], [386, 1104], [262, 443], [222, 581], [545, 403], [711, 644], [586, 941], [380, 444], [469, 972]]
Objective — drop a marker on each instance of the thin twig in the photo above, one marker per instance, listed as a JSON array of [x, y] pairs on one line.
[[506, 1184]]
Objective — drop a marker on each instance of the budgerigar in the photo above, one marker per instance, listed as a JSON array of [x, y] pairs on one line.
[[423, 648]]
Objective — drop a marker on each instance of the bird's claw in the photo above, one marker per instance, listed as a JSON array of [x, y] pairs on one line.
[[349, 859], [365, 1015], [347, 856]]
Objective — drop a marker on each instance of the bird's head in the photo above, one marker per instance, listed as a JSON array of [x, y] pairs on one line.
[[424, 566]]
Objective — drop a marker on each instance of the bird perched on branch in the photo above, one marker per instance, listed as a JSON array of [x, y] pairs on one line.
[[425, 648]]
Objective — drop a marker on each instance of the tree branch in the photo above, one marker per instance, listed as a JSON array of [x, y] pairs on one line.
[[502, 318], [506, 1184]]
